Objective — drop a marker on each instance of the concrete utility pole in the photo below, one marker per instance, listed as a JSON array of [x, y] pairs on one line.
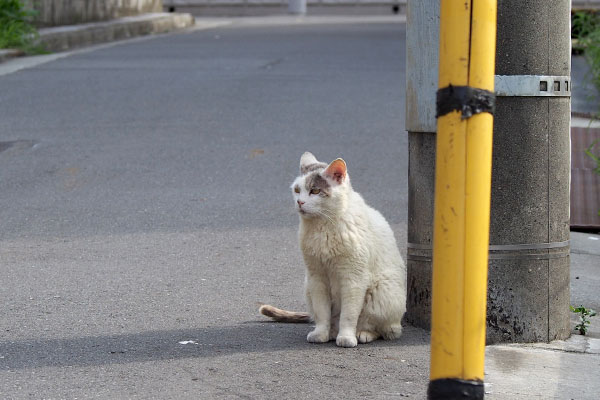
[[528, 296], [528, 286], [422, 62]]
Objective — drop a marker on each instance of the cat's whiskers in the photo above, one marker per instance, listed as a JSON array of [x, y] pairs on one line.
[[324, 214]]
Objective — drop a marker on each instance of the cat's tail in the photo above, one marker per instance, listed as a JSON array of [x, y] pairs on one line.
[[280, 315]]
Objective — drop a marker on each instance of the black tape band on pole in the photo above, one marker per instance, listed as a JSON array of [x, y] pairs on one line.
[[455, 389], [468, 100]]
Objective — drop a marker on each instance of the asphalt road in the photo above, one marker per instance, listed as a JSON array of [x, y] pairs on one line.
[[145, 210]]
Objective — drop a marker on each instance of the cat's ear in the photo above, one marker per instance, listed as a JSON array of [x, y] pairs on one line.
[[306, 160], [336, 171]]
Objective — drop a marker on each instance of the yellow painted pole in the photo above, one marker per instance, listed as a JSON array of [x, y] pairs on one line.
[[462, 200], [449, 211], [478, 189]]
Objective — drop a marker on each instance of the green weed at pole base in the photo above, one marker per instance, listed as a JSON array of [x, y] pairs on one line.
[[584, 318]]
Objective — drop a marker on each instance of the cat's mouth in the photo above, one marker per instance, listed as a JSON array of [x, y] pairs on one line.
[[303, 212]]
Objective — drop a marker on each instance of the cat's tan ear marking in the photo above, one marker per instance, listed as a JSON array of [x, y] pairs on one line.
[[336, 171]]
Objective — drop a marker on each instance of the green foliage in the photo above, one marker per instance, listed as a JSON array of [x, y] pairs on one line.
[[583, 23], [16, 29], [584, 318]]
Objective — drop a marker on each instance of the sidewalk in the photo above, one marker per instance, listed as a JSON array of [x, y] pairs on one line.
[[561, 369]]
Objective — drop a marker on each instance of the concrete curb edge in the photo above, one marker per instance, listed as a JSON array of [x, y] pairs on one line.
[[63, 38]]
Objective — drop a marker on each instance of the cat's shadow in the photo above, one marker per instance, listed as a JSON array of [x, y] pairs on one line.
[[248, 337]]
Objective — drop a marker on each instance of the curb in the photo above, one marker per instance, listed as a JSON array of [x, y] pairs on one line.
[[62, 38], [7, 54]]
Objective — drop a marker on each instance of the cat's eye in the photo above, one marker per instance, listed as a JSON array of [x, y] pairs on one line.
[[315, 191], [297, 189]]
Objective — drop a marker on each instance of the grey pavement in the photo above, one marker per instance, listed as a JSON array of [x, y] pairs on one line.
[[145, 211]]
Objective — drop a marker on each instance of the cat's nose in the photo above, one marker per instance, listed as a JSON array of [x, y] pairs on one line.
[[300, 203]]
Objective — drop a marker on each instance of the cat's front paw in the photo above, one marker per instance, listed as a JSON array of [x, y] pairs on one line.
[[366, 336], [346, 341], [317, 336]]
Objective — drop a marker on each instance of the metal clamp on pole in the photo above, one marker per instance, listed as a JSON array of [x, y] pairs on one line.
[[532, 85]]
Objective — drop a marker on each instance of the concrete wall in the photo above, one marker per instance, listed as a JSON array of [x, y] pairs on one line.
[[586, 4], [68, 12], [267, 7], [188, 3]]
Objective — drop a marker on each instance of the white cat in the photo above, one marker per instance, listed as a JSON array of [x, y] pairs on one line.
[[355, 276]]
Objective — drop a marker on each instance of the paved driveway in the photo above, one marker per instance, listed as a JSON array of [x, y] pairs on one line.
[[145, 211]]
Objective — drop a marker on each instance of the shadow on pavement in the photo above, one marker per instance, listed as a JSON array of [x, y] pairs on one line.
[[249, 337]]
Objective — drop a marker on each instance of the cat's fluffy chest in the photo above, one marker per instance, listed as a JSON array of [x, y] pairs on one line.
[[327, 241]]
